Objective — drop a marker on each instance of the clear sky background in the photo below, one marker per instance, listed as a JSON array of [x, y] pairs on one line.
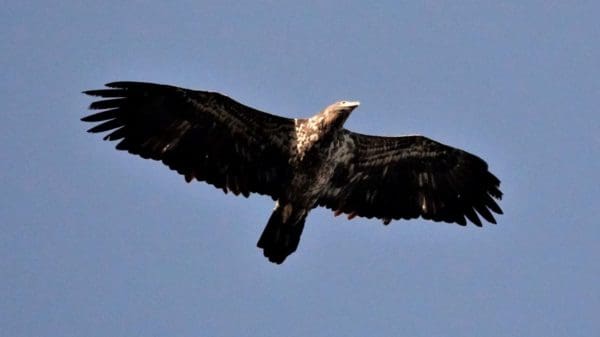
[[97, 242]]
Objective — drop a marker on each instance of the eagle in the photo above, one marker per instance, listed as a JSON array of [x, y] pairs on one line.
[[301, 163]]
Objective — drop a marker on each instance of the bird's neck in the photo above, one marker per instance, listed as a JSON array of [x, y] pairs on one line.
[[332, 121]]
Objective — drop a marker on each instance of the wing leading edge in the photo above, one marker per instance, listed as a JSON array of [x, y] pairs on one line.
[[202, 135]]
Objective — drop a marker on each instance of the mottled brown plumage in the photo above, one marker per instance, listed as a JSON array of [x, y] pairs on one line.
[[300, 163]]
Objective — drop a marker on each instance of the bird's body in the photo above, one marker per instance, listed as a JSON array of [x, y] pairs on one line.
[[300, 163], [317, 148]]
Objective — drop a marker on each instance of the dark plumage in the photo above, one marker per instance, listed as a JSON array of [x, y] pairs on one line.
[[300, 163]]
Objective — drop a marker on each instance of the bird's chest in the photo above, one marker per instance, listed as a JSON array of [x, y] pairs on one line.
[[308, 139], [313, 140], [314, 166]]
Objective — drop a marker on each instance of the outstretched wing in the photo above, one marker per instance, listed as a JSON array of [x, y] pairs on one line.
[[409, 177], [201, 135]]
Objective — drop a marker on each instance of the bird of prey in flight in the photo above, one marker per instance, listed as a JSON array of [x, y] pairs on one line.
[[301, 163]]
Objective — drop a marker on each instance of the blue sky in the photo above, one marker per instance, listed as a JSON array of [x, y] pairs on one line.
[[100, 243]]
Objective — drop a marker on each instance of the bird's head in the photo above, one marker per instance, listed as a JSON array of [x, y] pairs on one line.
[[344, 106], [337, 113]]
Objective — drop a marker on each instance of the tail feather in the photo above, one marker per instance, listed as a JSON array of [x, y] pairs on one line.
[[278, 240]]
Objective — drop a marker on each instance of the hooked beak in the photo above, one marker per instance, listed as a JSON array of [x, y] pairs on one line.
[[350, 104]]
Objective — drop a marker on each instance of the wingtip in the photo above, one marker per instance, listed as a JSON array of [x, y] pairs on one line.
[[93, 92], [116, 84], [472, 216], [126, 84]]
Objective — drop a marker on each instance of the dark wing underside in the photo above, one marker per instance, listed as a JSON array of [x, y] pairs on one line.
[[409, 177], [201, 135]]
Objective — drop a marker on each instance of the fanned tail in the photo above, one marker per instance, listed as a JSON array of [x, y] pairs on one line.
[[280, 238]]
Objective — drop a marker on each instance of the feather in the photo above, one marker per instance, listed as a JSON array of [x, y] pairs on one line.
[[103, 115], [108, 104], [111, 124]]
